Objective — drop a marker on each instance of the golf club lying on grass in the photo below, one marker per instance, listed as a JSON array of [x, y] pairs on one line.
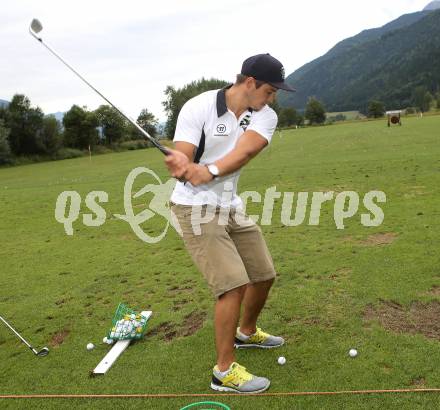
[[43, 352], [35, 28]]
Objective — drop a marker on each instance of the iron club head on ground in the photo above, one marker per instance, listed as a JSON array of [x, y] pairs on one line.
[[43, 352]]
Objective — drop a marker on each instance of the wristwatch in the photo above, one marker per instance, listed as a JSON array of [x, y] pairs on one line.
[[213, 169]]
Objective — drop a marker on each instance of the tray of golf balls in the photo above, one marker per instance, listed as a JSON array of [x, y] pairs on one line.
[[127, 324]]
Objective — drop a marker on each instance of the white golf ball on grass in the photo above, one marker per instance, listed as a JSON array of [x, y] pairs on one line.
[[90, 346], [353, 353], [281, 360]]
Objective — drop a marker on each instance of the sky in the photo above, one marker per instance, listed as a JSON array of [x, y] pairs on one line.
[[132, 50]]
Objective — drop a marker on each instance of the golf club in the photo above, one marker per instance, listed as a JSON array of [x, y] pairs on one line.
[[43, 352], [35, 28]]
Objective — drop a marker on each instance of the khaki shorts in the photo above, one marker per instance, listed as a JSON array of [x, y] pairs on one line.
[[229, 254]]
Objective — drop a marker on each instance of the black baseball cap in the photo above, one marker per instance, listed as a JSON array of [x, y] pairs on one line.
[[264, 67]]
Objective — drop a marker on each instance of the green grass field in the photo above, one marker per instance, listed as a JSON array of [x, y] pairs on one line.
[[373, 288]]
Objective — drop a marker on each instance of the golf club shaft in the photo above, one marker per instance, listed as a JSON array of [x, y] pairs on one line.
[[17, 334], [139, 128]]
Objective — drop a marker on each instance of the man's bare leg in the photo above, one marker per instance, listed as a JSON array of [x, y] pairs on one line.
[[253, 302], [227, 314]]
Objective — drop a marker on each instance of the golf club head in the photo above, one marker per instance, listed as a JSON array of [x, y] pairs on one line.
[[36, 26], [43, 352]]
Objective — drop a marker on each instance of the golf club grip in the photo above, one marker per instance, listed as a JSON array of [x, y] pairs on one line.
[[162, 149]]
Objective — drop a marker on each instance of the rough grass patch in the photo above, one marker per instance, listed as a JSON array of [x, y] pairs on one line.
[[419, 382], [434, 291], [341, 273], [380, 239], [418, 318], [165, 330], [179, 304], [177, 290], [190, 325], [59, 337]]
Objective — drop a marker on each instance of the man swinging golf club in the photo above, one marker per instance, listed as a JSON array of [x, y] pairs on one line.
[[217, 133]]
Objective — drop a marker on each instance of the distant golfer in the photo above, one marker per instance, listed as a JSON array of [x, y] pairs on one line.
[[217, 133]]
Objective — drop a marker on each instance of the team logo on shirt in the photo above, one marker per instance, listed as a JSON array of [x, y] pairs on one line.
[[245, 121], [221, 129]]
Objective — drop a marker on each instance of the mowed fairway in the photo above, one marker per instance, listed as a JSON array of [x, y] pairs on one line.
[[373, 288]]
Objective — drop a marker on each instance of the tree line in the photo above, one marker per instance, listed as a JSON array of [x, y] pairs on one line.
[[25, 131], [423, 101]]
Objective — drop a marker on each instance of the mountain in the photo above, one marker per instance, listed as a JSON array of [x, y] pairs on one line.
[[4, 103], [434, 5], [58, 115], [384, 63]]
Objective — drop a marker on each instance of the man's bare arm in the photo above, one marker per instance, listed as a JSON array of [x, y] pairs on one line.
[[181, 165], [248, 146], [188, 149]]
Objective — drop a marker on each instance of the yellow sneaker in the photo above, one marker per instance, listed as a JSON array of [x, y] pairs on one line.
[[238, 380], [259, 339]]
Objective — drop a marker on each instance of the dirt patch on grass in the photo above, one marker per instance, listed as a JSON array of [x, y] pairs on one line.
[[435, 291], [340, 273], [59, 337], [414, 191], [166, 330], [310, 321], [188, 281], [419, 382], [348, 238], [373, 240], [418, 318], [380, 239], [179, 304], [127, 237], [190, 325], [177, 290]]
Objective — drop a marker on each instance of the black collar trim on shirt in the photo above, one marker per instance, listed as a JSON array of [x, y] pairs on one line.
[[221, 101], [222, 109]]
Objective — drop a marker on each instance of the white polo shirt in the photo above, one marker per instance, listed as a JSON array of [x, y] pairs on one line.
[[206, 122]]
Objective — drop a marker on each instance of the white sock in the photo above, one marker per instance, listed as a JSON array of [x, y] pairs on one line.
[[242, 336], [223, 374]]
